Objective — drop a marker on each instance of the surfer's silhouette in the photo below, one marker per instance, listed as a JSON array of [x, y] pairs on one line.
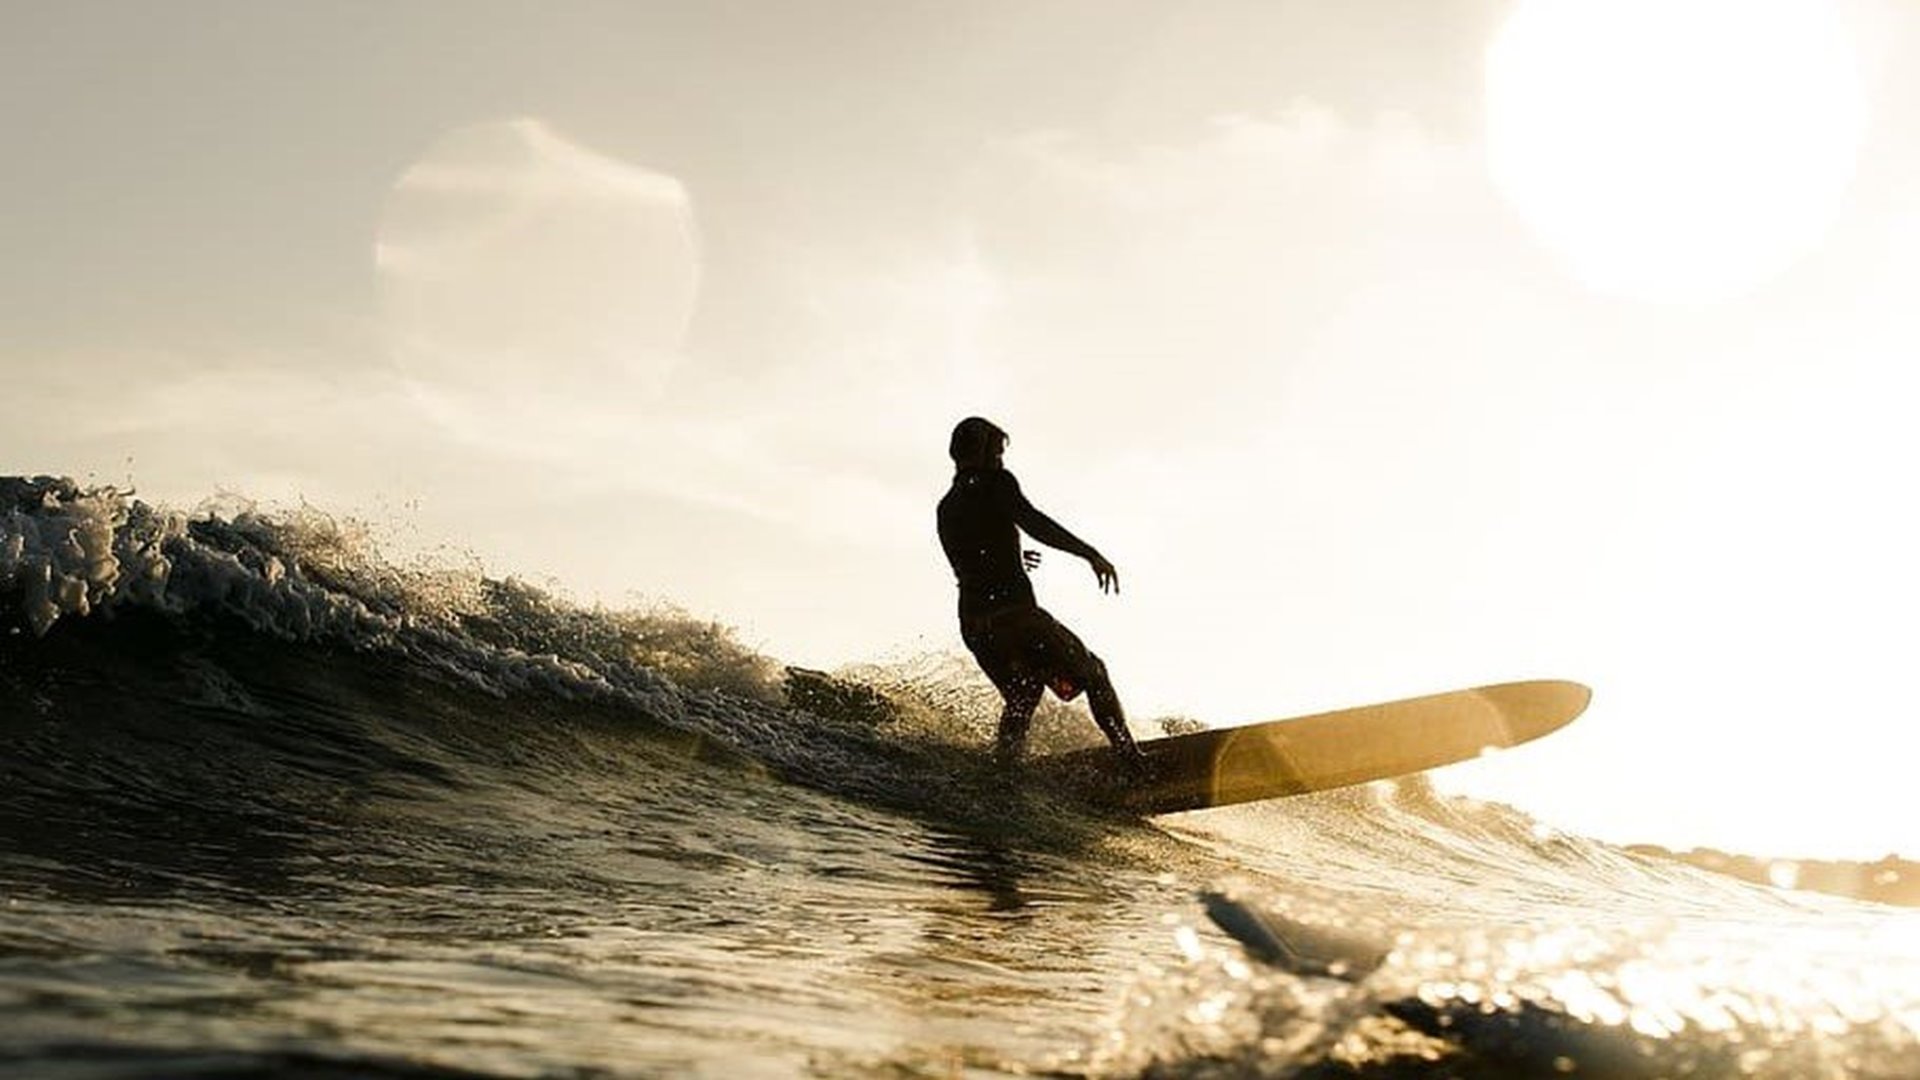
[[1024, 650]]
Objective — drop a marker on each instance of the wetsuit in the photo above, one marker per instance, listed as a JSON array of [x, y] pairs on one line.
[[1021, 648]]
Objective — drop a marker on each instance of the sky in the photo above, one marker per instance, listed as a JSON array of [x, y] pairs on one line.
[[1386, 347]]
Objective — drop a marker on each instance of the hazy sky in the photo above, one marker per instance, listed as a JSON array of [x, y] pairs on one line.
[[1385, 347]]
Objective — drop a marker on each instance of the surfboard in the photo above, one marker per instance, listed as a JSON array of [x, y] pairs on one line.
[[1314, 753]]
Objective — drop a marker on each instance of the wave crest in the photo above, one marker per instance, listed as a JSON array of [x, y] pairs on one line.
[[302, 575]]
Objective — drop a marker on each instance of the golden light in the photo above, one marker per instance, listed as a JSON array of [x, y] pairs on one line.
[[1674, 149]]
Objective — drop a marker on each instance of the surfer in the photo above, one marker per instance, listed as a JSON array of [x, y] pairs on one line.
[[1024, 650]]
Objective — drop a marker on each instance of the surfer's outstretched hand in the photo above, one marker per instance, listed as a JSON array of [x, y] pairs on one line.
[[1031, 558], [1104, 572]]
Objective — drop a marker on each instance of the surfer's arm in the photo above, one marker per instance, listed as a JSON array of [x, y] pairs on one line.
[[1051, 533], [1055, 535]]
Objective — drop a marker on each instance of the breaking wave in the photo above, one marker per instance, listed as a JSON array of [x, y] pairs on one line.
[[257, 709]]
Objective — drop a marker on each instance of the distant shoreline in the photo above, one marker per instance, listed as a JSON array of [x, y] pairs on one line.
[[1890, 880]]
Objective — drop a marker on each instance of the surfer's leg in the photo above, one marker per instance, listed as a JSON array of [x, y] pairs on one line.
[[1106, 708], [1071, 667], [1022, 697]]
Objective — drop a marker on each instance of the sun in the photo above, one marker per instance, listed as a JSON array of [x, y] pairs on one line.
[[1674, 149]]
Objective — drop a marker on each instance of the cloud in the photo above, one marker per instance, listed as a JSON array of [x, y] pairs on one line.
[[512, 260]]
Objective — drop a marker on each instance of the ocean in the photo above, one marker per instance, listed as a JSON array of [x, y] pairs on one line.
[[271, 805]]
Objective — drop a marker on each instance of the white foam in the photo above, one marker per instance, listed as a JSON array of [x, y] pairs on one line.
[[71, 550]]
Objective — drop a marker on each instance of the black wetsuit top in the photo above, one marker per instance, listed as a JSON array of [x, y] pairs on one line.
[[980, 520]]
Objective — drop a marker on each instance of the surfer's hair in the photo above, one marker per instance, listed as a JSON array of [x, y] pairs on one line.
[[975, 439]]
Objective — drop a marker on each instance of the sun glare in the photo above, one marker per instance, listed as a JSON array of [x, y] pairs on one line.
[[1674, 149]]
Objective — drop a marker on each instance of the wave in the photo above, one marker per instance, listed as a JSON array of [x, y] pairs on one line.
[[230, 608], [312, 660], [211, 614], [202, 618], [260, 704], [257, 620]]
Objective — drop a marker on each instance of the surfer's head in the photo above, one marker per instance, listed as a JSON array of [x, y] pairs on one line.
[[976, 444]]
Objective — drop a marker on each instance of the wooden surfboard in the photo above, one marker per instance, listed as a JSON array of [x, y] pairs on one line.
[[1313, 753]]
